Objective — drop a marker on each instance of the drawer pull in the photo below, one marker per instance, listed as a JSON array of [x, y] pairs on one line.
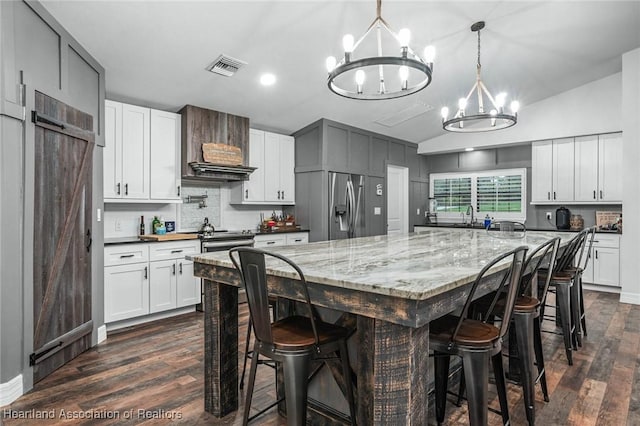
[[271, 242], [124, 256], [297, 240], [176, 251]]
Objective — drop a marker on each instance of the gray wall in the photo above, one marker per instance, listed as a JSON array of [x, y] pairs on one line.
[[506, 158], [39, 52], [328, 146]]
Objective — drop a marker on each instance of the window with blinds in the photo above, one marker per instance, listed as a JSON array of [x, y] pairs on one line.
[[501, 194], [453, 195]]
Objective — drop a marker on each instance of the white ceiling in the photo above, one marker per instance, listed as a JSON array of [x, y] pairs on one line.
[[155, 53]]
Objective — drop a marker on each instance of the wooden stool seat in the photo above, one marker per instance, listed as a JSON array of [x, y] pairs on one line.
[[526, 304], [295, 332], [471, 333]]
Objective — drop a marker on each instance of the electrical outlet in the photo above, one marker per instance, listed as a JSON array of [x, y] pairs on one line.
[[548, 215], [118, 228]]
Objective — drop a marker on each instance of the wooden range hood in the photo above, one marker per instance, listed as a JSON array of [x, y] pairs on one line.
[[201, 125]]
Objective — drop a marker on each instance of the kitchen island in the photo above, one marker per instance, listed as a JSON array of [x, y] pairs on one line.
[[394, 285]]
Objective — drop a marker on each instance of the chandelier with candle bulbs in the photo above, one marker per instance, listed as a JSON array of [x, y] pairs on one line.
[[495, 119], [363, 77]]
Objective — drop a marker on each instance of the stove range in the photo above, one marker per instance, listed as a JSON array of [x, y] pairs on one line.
[[224, 235]]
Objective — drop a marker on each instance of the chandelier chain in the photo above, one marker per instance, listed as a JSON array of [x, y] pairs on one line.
[[479, 66]]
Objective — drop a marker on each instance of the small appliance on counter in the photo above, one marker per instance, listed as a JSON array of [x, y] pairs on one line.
[[563, 218], [432, 213]]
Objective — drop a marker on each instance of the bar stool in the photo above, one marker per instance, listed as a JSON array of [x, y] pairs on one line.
[[294, 341], [526, 317], [477, 341], [565, 282]]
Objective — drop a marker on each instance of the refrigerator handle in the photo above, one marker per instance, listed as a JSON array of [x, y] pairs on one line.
[[331, 199], [360, 185], [351, 218]]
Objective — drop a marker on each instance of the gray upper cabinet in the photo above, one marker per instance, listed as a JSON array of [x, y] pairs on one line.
[[359, 152], [396, 154], [51, 61], [337, 145], [378, 157]]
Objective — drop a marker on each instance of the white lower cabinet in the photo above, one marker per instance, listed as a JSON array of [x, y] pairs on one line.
[[126, 291], [141, 279], [604, 264], [289, 238], [162, 288]]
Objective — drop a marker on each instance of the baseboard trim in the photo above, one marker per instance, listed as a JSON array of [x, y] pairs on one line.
[[102, 334], [147, 318], [632, 298], [11, 390], [601, 288]]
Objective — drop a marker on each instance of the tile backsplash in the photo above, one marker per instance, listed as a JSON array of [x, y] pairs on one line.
[[191, 215]]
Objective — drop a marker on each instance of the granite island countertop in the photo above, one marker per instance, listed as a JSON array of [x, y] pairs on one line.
[[414, 266]]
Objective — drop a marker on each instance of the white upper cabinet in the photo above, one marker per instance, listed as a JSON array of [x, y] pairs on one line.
[[586, 182], [541, 170], [552, 171], [126, 165], [142, 154], [584, 170], [165, 155], [610, 167], [274, 180]]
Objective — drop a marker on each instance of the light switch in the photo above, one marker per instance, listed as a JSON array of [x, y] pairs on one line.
[[377, 211], [98, 215], [418, 212]]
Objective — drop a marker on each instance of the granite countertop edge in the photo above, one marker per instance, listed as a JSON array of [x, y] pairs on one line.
[[457, 226]]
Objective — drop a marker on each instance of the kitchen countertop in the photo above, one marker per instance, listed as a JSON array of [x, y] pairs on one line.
[[413, 266], [135, 240], [480, 226]]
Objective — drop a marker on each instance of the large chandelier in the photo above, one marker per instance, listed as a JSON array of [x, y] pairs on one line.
[[364, 78], [483, 121]]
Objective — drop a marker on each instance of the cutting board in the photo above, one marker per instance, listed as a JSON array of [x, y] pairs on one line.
[[169, 237]]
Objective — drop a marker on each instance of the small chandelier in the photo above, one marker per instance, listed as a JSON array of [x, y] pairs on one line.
[[495, 119], [347, 77]]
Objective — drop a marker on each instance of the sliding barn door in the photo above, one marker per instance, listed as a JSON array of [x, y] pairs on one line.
[[64, 141]]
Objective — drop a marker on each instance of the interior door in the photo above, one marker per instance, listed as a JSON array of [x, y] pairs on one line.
[[64, 142], [397, 200]]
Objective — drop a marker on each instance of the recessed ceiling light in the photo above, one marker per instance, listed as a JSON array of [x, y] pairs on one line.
[[267, 79], [468, 149]]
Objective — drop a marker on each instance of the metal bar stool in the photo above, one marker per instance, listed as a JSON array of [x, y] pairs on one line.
[[564, 280], [526, 317], [477, 340], [294, 341]]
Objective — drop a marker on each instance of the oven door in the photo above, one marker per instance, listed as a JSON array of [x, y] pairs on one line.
[[211, 246]]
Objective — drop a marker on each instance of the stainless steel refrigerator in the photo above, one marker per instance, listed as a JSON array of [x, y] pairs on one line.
[[346, 206]]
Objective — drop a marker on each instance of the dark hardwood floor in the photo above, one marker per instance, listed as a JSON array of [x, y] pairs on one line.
[[154, 373]]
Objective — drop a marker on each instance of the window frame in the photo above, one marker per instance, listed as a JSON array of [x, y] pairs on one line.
[[520, 216]]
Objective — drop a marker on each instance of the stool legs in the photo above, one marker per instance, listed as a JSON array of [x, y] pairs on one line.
[[295, 373], [564, 304], [441, 367], [252, 381], [501, 385], [574, 293], [537, 347], [476, 371], [246, 352], [523, 322], [582, 313]]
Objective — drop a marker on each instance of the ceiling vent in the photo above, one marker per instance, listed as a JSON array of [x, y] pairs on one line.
[[226, 65], [403, 115]]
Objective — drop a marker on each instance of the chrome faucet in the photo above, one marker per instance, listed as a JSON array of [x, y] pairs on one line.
[[470, 211]]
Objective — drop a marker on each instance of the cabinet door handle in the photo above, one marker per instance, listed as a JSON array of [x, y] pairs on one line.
[[601, 194], [548, 195], [178, 190], [180, 268], [596, 254], [246, 193], [173, 269], [124, 256], [176, 251], [126, 189], [283, 195], [594, 194], [146, 272], [278, 195], [554, 195], [118, 190], [89, 240]]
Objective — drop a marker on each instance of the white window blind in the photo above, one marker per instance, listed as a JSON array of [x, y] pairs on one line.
[[501, 194]]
